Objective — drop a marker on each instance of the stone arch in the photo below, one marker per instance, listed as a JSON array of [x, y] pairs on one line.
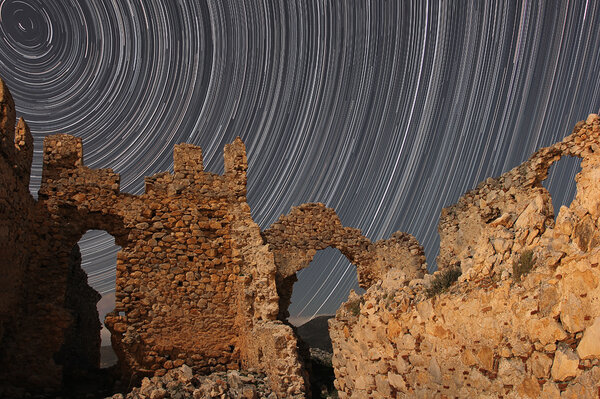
[[79, 349], [295, 238], [320, 290]]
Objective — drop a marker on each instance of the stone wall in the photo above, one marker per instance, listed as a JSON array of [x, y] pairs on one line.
[[34, 268], [195, 282], [490, 225], [493, 333], [190, 260], [198, 283]]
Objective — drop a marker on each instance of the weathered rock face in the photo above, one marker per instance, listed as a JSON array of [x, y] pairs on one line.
[[494, 334], [490, 226]]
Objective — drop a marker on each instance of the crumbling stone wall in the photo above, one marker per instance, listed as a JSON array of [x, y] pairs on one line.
[[178, 273], [16, 206], [490, 225], [295, 238], [492, 334], [195, 282]]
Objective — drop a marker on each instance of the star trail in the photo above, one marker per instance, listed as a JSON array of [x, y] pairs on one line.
[[386, 111]]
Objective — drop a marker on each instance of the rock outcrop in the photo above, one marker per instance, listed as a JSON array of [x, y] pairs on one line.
[[522, 320]]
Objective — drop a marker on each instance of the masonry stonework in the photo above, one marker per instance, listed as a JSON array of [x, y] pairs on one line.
[[495, 333], [195, 282], [295, 238]]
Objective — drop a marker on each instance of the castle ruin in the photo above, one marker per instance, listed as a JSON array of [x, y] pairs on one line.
[[199, 284]]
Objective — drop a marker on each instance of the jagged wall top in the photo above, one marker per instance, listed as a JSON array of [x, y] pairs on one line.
[[63, 161], [508, 214]]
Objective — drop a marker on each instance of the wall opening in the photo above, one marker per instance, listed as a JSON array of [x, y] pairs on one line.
[[561, 181], [322, 287], [320, 290], [99, 261]]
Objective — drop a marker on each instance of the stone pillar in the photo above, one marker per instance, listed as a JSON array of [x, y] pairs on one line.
[[236, 165], [24, 148]]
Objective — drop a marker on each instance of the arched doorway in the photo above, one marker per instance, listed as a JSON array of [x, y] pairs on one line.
[[322, 287], [319, 291]]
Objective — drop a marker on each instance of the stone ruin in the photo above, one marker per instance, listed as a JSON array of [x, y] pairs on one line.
[[295, 238], [501, 331], [199, 284]]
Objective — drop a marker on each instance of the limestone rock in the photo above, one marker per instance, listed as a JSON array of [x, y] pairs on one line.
[[490, 333], [565, 365], [589, 347]]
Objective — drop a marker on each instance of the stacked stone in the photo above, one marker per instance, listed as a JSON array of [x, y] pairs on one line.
[[188, 161], [195, 282], [182, 273], [507, 215], [537, 336], [24, 149], [538, 339], [19, 358], [183, 383], [274, 346], [399, 260], [176, 275]]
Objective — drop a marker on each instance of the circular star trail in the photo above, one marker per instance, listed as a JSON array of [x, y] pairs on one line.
[[386, 111]]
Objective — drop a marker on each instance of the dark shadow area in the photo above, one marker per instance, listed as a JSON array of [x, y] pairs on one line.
[[89, 362], [99, 261], [315, 335], [320, 290], [561, 182]]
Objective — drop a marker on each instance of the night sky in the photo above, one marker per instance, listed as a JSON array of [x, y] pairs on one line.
[[386, 111]]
